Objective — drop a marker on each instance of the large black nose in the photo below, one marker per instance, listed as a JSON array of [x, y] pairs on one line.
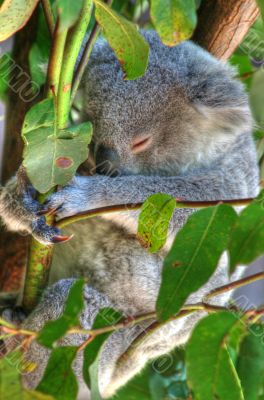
[[107, 161]]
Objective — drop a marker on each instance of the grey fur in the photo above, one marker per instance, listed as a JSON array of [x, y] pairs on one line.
[[200, 123]]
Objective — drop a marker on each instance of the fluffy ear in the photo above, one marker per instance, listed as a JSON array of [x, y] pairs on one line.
[[226, 119]]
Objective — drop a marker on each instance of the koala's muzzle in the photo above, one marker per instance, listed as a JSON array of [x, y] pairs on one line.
[[107, 161]]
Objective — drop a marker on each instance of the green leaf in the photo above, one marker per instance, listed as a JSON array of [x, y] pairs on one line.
[[14, 14], [69, 12], [57, 154], [53, 330], [129, 46], [250, 364], [105, 317], [247, 237], [174, 20], [59, 379], [261, 6], [194, 256], [11, 367], [154, 220], [39, 52], [210, 370], [136, 389]]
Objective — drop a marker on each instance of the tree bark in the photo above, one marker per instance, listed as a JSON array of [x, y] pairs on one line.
[[13, 247], [222, 25]]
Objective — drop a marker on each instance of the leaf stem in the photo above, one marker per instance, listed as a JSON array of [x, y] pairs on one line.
[[135, 206], [48, 15], [72, 48]]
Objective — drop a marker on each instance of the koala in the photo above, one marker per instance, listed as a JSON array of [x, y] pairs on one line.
[[184, 129]]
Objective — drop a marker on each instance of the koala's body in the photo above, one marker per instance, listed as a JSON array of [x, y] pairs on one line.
[[184, 129]]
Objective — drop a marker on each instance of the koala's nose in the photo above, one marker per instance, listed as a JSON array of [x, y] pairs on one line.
[[107, 161]]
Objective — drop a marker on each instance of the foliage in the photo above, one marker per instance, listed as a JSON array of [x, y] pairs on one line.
[[57, 152], [224, 356]]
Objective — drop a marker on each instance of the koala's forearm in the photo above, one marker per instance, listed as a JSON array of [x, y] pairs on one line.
[[196, 187]]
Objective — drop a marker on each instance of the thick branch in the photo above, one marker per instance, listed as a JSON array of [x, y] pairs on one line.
[[222, 25]]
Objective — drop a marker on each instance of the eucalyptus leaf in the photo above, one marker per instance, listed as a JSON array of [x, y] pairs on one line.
[[69, 12], [154, 219], [210, 370], [137, 388], [250, 364], [247, 237], [39, 52], [11, 367], [174, 20], [59, 380], [14, 14], [54, 330], [261, 6], [194, 256], [129, 46], [51, 156], [105, 317]]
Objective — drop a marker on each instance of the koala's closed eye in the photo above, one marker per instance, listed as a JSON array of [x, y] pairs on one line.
[[141, 143]]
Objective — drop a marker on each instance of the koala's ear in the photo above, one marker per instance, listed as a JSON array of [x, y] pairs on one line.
[[226, 118]]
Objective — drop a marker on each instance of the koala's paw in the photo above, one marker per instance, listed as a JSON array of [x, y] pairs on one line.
[[21, 212], [80, 195]]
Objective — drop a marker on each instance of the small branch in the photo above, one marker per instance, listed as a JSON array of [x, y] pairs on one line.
[[72, 48], [130, 206], [40, 256], [85, 56], [48, 15], [235, 285], [84, 59], [222, 25], [55, 60]]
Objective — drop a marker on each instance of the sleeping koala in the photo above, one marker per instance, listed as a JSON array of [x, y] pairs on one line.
[[184, 129]]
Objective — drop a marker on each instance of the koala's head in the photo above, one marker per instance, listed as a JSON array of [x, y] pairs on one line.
[[181, 114]]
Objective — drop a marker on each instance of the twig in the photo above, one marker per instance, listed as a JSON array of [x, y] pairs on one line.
[[130, 206], [84, 60], [235, 285], [85, 56], [48, 15], [72, 48]]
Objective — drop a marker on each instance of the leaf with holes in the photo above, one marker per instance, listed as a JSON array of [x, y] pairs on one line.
[[14, 14], [247, 238], [194, 256], [59, 380], [174, 20], [53, 330], [210, 370], [51, 156], [154, 220], [129, 46]]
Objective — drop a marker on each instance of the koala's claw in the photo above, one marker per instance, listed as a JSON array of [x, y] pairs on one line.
[[61, 238]]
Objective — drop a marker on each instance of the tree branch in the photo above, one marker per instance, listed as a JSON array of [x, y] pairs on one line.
[[222, 25]]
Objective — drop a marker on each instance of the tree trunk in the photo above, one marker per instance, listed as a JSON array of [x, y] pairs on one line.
[[222, 25]]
